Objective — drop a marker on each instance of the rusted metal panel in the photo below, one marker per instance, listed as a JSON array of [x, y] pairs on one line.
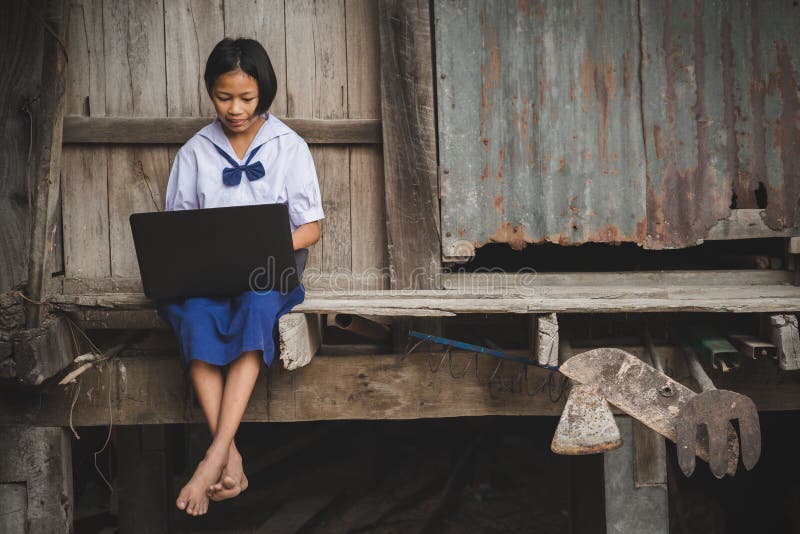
[[719, 83], [539, 122], [575, 121]]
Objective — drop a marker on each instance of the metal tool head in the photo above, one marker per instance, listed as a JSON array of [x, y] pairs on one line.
[[587, 425], [715, 409]]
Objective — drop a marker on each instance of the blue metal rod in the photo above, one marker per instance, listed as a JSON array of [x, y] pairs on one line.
[[477, 348]]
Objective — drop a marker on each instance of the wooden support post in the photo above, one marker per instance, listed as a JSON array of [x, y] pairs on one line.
[[630, 508], [45, 168], [144, 480], [409, 153], [586, 507], [544, 338], [786, 338], [36, 468], [300, 338], [13, 507], [649, 457]]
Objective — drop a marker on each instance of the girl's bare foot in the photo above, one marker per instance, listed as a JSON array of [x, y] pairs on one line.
[[193, 498], [232, 480]]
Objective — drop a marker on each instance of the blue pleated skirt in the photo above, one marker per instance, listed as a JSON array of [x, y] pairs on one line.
[[219, 330]]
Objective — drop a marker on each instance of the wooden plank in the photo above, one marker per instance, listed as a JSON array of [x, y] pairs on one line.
[[469, 282], [441, 303], [368, 228], [172, 130], [500, 281], [193, 29], [135, 86], [87, 251], [746, 224], [409, 156], [330, 50], [84, 168], [21, 48], [316, 83], [44, 172], [262, 20], [151, 390]]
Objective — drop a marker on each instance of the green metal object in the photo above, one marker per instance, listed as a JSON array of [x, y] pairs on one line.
[[714, 348]]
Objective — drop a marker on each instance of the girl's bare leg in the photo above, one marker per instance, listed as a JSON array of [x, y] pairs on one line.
[[239, 385], [208, 383]]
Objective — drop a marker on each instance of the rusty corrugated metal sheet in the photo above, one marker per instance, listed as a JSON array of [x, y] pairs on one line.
[[721, 113], [572, 122]]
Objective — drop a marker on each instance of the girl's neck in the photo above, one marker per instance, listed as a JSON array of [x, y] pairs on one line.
[[241, 141], [248, 135]]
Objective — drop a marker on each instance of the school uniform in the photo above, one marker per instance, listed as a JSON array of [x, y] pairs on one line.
[[277, 168]]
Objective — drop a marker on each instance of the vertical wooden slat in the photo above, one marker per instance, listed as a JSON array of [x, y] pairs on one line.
[[317, 87], [368, 228], [409, 154], [409, 143], [84, 168], [135, 86], [262, 20], [193, 28]]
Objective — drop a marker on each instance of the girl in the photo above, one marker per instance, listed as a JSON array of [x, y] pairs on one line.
[[246, 156]]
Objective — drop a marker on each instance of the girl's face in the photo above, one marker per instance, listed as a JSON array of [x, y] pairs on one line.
[[235, 97]]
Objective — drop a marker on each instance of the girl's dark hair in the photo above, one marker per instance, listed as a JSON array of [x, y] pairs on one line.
[[249, 56]]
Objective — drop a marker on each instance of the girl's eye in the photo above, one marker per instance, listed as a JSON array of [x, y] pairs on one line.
[[249, 99]]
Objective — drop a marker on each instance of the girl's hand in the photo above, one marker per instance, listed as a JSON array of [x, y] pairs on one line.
[[305, 235]]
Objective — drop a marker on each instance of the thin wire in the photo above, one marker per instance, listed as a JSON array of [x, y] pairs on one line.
[[108, 437], [32, 301], [72, 408]]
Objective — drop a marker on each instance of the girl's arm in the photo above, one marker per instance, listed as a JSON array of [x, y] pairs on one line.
[[305, 235]]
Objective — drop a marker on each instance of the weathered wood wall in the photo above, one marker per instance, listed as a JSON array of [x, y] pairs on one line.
[[144, 58]]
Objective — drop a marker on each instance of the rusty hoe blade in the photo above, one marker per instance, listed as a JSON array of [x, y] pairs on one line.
[[713, 410], [647, 395], [587, 425]]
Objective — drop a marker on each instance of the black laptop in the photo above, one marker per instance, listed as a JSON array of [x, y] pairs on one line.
[[216, 252]]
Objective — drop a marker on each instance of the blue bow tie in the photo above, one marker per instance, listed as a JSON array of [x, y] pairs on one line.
[[233, 175]]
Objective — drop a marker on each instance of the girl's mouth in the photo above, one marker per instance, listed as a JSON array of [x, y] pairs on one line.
[[236, 123]]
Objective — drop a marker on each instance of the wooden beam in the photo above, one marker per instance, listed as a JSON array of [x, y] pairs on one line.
[[45, 157], [717, 277], [177, 130], [42, 352], [153, 390], [443, 303], [746, 224]]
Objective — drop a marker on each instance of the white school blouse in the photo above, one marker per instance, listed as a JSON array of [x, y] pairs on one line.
[[195, 181]]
